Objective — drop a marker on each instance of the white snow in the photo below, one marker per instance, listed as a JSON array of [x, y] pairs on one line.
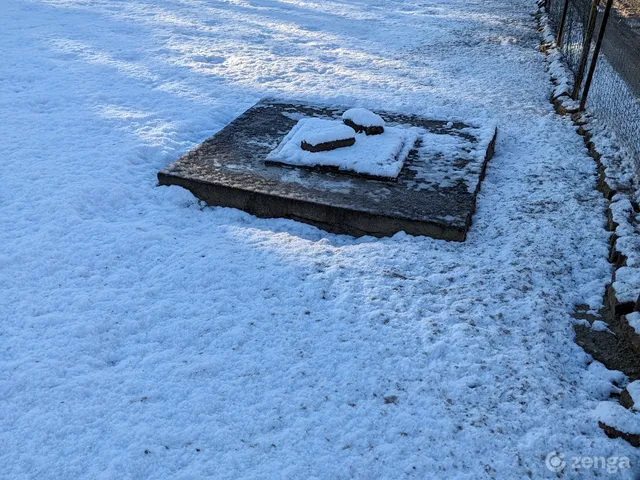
[[629, 246], [627, 278], [560, 74], [132, 319], [376, 155], [621, 211], [601, 382], [600, 326], [634, 321], [616, 416], [316, 131], [363, 117], [627, 284], [634, 391]]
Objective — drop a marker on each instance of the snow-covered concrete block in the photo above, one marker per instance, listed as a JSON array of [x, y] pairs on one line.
[[322, 136], [434, 193], [363, 120], [379, 156]]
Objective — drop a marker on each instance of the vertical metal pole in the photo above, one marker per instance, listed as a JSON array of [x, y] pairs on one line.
[[586, 48], [596, 53], [562, 22]]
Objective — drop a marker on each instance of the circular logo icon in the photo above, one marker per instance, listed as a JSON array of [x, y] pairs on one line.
[[555, 462]]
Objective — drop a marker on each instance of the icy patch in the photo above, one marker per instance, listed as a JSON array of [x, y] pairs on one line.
[[616, 416], [363, 117], [377, 155]]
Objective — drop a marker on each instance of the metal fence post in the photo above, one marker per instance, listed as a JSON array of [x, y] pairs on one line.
[[586, 48], [596, 53], [562, 22]]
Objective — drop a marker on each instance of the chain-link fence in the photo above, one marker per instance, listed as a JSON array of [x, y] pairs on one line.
[[610, 87], [571, 20]]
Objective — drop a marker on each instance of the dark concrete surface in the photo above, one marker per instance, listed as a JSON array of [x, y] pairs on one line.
[[434, 195]]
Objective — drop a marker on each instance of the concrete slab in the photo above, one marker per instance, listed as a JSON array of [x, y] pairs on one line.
[[434, 194]]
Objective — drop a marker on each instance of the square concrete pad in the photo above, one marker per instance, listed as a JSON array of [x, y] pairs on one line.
[[434, 194]]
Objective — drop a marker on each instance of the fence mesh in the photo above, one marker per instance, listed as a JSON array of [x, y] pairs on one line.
[[576, 35], [615, 90], [616, 101]]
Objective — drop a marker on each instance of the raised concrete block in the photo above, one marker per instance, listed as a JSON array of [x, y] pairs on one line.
[[434, 194]]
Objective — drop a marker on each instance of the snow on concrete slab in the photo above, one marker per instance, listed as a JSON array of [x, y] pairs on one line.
[[463, 148], [233, 169], [374, 155]]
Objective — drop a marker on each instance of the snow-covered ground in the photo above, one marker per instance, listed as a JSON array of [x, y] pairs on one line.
[[144, 337]]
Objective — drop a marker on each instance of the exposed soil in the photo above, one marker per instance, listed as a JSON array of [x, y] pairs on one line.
[[612, 349]]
